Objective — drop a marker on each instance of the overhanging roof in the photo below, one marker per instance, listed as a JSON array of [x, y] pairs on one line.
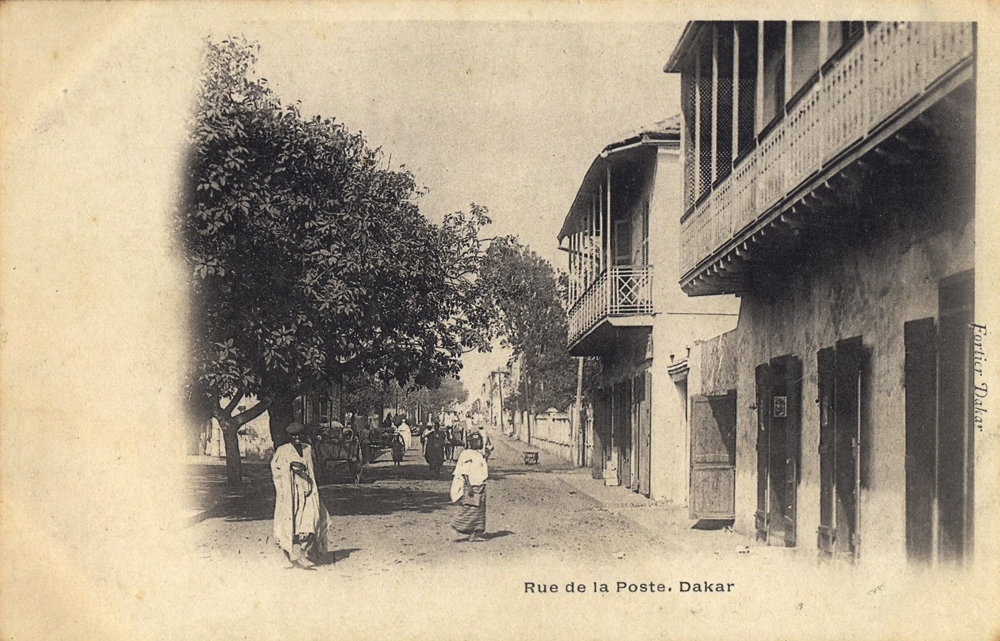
[[664, 133], [688, 37]]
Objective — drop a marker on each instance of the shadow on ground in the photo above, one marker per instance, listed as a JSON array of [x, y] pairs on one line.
[[374, 500], [713, 524], [489, 536]]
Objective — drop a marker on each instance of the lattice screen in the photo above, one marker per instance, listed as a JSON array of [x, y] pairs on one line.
[[724, 128], [687, 108], [705, 122]]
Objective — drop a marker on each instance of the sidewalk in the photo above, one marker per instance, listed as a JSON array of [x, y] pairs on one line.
[[210, 494], [668, 523]]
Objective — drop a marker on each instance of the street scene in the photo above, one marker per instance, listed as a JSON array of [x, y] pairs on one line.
[[726, 322], [480, 321], [400, 516]]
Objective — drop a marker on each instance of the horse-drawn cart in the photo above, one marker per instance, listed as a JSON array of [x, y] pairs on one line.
[[357, 446], [332, 443]]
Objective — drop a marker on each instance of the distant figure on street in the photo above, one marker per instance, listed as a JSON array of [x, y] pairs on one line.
[[398, 448], [468, 489], [449, 444], [300, 519], [404, 430], [423, 439], [434, 450], [487, 442]]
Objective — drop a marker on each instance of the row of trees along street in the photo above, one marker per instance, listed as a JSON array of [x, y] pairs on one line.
[[309, 260]]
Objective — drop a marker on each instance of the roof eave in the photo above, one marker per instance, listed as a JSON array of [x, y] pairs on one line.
[[688, 36]]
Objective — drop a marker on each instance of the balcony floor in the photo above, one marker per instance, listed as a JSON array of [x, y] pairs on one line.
[[604, 338]]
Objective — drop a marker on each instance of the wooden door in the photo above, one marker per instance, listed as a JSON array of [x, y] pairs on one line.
[[847, 414], [919, 339], [827, 533], [645, 432], [788, 372], [623, 435], [955, 442], [763, 404], [712, 491]]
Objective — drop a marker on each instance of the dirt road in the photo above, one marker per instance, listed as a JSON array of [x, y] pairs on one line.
[[400, 516]]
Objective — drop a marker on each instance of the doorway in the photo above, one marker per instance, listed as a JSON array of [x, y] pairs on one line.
[[712, 491], [779, 435]]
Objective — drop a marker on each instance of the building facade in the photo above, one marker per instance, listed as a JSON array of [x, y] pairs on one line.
[[625, 308], [829, 182]]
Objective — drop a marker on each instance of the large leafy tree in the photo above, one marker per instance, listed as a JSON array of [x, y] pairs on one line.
[[529, 317], [308, 258]]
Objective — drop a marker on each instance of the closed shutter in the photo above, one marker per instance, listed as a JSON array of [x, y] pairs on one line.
[[793, 438], [763, 447], [848, 444], [827, 533], [919, 339]]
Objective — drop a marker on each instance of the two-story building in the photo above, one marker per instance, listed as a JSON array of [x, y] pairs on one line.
[[625, 307], [829, 182]]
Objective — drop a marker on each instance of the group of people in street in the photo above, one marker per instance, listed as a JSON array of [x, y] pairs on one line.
[[301, 519]]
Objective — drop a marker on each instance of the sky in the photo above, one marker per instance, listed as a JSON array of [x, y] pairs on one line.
[[508, 115]]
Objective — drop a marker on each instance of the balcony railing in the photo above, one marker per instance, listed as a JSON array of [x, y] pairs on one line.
[[894, 63], [627, 292]]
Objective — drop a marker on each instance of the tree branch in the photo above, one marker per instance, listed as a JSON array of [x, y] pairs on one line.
[[245, 417], [237, 397]]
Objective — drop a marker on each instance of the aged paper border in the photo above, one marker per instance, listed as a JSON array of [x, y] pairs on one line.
[[91, 342]]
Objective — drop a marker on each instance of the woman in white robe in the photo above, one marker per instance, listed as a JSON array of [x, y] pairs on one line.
[[468, 488], [300, 519]]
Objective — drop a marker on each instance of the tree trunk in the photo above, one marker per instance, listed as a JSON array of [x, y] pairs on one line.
[[234, 466], [281, 414]]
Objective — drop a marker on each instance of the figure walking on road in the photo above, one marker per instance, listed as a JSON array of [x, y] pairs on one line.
[[468, 488], [434, 450], [300, 519], [398, 448]]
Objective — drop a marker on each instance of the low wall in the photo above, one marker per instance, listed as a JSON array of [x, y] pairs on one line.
[[550, 432]]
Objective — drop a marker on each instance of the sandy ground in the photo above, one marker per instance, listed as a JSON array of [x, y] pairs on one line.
[[400, 516], [399, 572]]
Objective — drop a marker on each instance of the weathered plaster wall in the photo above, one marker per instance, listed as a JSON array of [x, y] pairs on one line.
[[868, 287], [680, 322]]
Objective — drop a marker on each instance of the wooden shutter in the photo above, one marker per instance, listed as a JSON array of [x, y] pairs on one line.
[[713, 457], [645, 434], [793, 438], [919, 339], [848, 444], [955, 416], [763, 389], [827, 533]]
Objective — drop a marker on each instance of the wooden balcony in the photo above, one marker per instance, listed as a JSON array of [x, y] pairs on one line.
[[859, 102], [620, 297]]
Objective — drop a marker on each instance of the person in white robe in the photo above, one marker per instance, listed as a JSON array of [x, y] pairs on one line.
[[468, 488], [404, 431], [300, 518]]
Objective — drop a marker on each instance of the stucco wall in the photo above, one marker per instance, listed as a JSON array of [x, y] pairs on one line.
[[869, 286], [680, 322]]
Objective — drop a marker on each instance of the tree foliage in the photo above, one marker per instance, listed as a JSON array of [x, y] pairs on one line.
[[308, 258], [530, 319]]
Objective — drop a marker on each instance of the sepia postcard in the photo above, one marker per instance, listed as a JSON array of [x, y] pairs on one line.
[[524, 320]]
